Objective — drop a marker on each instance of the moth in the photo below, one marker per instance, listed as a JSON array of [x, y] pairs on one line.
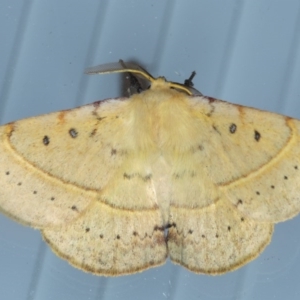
[[117, 186]]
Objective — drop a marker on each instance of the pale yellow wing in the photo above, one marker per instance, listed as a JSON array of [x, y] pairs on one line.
[[250, 156], [84, 177], [261, 152], [58, 163], [47, 166], [110, 241], [215, 239], [235, 173]]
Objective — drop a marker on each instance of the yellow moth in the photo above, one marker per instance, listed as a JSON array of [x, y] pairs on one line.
[[119, 185]]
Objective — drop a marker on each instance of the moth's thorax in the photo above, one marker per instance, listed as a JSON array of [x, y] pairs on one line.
[[165, 118], [166, 130]]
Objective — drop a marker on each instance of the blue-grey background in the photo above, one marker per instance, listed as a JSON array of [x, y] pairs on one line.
[[246, 52]]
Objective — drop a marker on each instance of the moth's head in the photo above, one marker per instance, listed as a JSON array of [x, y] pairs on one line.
[[155, 83]]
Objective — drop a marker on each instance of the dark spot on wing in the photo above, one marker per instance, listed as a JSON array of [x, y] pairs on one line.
[[97, 103], [87, 229], [130, 176], [147, 177], [232, 128], [210, 99], [158, 228], [46, 140], [126, 176], [100, 118], [216, 129], [73, 133], [93, 132], [113, 151], [257, 135], [171, 225]]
